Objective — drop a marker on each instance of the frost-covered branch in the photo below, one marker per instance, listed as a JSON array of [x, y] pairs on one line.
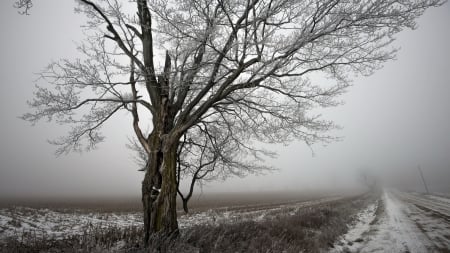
[[24, 6]]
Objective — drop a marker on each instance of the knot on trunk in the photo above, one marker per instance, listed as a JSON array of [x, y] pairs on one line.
[[154, 193]]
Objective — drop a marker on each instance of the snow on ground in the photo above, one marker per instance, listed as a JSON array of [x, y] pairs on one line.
[[254, 213], [409, 223], [357, 230], [16, 221], [396, 231], [432, 218], [439, 198], [398, 222]]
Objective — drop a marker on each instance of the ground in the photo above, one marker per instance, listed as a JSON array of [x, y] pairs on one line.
[[385, 221], [53, 220], [400, 222]]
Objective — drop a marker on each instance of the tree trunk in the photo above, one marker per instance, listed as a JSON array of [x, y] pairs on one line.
[[165, 204], [159, 192], [159, 187], [185, 205], [151, 185]]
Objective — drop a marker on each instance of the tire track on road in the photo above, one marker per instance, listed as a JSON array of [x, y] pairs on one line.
[[438, 208]]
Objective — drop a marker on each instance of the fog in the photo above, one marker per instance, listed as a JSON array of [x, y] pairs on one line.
[[392, 121]]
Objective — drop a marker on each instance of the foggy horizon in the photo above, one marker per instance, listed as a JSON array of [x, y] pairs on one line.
[[392, 121]]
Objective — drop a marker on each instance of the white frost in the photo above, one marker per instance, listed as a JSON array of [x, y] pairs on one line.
[[409, 224]]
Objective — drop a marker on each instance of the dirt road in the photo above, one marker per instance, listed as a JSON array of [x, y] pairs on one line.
[[406, 222]]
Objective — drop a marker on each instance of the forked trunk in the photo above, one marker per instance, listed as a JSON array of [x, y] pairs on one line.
[[159, 188]]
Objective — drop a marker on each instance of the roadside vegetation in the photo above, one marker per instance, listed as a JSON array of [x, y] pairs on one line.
[[310, 229]]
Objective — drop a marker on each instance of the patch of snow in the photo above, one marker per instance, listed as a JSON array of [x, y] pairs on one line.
[[18, 221], [44, 222], [118, 246], [403, 227], [439, 198], [258, 213], [356, 232], [396, 231]]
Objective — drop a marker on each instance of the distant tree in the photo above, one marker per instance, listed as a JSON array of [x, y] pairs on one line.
[[367, 178], [210, 77]]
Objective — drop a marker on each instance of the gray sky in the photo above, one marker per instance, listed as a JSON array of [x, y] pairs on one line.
[[392, 121]]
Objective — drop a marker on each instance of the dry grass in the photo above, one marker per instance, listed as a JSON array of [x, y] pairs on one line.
[[96, 240], [310, 229]]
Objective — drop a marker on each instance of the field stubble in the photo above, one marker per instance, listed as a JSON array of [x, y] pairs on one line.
[[272, 222]]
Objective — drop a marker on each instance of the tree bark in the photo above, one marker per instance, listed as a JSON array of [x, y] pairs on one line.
[[159, 187], [159, 191], [165, 204], [151, 185], [185, 205]]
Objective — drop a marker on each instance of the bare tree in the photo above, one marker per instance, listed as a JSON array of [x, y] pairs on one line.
[[230, 72]]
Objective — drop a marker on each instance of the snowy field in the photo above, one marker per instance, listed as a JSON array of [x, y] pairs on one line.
[[396, 222], [46, 223], [400, 222], [17, 221]]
